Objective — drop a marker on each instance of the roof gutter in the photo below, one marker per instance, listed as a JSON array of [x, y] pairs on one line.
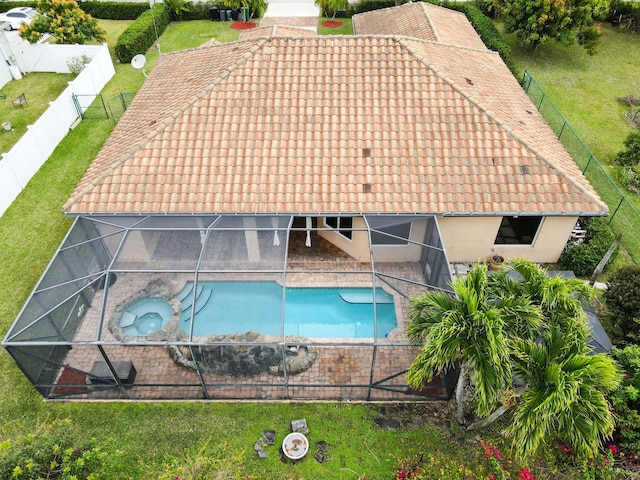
[[339, 214]]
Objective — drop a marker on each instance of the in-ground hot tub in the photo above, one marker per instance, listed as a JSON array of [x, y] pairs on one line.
[[145, 316]]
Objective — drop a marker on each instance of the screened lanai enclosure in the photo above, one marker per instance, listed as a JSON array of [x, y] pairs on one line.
[[231, 307]]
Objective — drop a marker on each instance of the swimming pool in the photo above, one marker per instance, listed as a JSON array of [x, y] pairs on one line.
[[223, 308]]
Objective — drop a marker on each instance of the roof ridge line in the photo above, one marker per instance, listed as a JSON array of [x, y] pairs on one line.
[[161, 125], [503, 126], [431, 24]]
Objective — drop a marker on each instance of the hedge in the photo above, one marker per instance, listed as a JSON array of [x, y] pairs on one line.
[[115, 10], [105, 10], [369, 5], [141, 34], [6, 6]]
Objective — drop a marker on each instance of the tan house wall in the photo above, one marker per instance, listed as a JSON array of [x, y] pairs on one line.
[[140, 245], [468, 239], [403, 253], [358, 247]]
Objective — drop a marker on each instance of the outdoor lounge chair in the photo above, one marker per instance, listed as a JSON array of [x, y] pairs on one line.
[[20, 101]]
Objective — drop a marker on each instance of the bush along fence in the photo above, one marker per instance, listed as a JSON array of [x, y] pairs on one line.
[[623, 217], [142, 33]]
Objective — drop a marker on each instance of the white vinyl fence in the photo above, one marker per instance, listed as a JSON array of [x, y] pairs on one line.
[[34, 148]]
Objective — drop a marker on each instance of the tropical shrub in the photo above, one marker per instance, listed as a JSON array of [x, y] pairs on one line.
[[65, 21], [622, 299], [631, 155], [48, 451], [584, 257], [535, 23], [177, 8], [626, 399], [625, 14], [77, 64], [332, 7], [200, 10], [630, 177], [567, 389]]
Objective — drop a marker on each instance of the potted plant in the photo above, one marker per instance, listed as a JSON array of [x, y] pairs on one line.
[[495, 262]]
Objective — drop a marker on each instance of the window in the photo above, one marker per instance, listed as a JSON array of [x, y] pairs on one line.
[[342, 224], [518, 230], [403, 230]]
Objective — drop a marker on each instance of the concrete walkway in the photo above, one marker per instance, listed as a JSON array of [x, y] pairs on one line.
[[294, 13]]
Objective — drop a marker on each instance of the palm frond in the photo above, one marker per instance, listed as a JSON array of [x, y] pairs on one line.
[[566, 396]]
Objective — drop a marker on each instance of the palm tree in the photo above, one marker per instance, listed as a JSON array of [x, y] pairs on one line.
[[334, 6], [560, 299], [565, 395], [473, 328]]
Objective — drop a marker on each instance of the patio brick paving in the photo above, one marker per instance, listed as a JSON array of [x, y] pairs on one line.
[[340, 371]]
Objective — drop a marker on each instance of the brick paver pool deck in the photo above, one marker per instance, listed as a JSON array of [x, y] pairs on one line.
[[344, 368]]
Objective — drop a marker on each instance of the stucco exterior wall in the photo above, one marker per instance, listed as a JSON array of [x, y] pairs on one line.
[[357, 247], [469, 239], [403, 253]]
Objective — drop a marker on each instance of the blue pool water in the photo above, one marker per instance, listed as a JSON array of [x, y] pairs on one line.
[[145, 316], [229, 307]]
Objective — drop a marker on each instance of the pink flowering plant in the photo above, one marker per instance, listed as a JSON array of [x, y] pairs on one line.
[[612, 463], [501, 467], [489, 461], [410, 468]]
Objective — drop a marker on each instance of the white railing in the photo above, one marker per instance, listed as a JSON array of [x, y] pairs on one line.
[[38, 143]]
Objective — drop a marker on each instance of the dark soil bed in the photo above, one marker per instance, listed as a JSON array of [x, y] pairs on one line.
[[412, 415]]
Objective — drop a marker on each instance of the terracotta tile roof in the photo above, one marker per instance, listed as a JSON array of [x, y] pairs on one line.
[[333, 124], [275, 31], [419, 20]]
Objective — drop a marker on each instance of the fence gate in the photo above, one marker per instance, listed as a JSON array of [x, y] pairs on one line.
[[90, 107], [119, 104]]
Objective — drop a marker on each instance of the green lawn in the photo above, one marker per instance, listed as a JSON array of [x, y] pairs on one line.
[[345, 29], [585, 90], [143, 438], [39, 90]]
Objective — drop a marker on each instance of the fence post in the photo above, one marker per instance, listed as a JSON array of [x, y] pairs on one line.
[[616, 210], [562, 130], [588, 162], [526, 80]]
